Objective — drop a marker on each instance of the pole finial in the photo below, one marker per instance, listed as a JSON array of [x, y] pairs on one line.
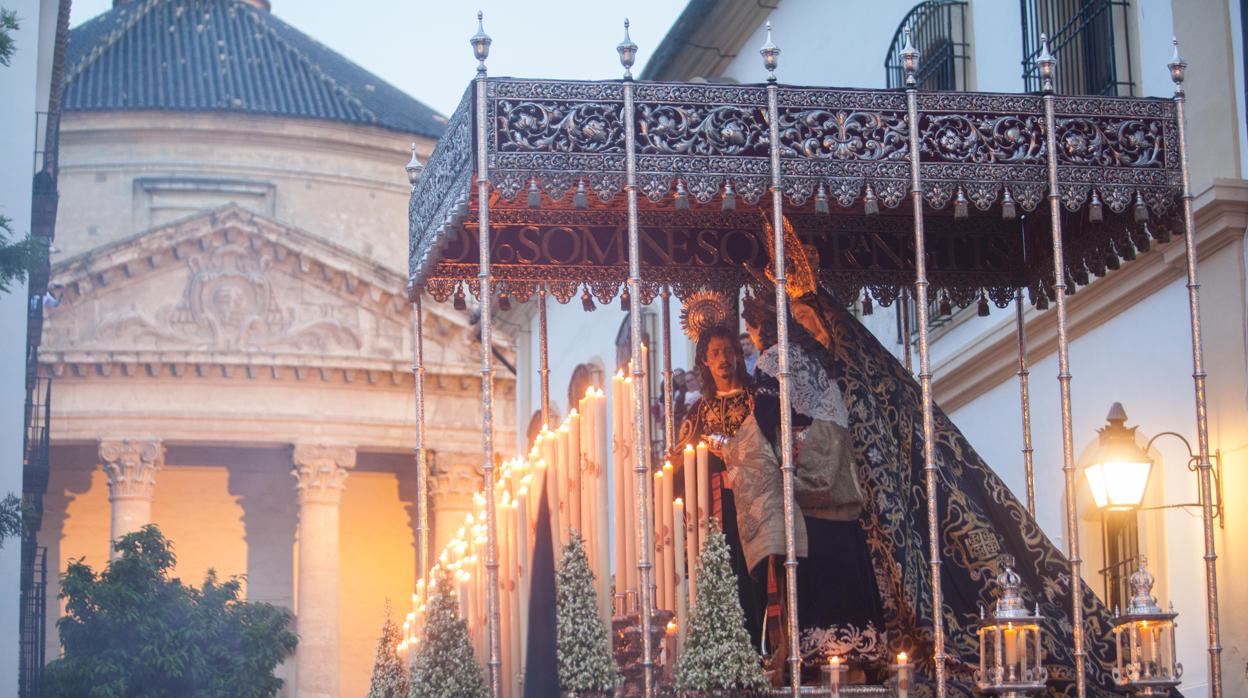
[[481, 42], [909, 58], [414, 168], [771, 56], [1178, 68], [628, 52], [1046, 62]]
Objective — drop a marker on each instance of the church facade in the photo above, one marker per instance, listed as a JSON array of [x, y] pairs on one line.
[[228, 336]]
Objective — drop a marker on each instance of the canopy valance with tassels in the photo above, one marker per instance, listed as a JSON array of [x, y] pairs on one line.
[[556, 166]]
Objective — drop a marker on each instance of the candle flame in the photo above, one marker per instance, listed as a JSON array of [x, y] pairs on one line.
[[671, 627], [667, 467], [902, 658], [678, 502], [688, 447], [834, 660]]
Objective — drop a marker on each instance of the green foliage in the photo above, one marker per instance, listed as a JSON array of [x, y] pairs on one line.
[[133, 632], [16, 257], [8, 25], [13, 513], [584, 644], [389, 676], [718, 655], [444, 666]]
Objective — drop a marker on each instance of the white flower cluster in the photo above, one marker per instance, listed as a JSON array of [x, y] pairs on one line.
[[389, 675], [584, 645], [718, 655], [444, 666]]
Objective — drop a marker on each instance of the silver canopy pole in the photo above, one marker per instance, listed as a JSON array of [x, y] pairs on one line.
[[1204, 468], [1047, 62], [641, 462], [481, 49], [910, 56], [771, 55], [1024, 396]]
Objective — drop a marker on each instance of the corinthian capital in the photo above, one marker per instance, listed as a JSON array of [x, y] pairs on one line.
[[131, 466], [321, 471]]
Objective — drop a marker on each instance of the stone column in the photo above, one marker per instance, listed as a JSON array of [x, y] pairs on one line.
[[131, 466], [320, 471]]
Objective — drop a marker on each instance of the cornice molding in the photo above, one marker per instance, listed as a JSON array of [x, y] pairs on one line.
[[1221, 213]]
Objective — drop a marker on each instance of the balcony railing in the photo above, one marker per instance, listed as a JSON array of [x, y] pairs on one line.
[[938, 30], [1089, 38]]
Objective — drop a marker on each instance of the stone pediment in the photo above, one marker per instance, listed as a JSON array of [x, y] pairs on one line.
[[233, 287]]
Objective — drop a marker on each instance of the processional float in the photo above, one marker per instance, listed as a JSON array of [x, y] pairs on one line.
[[1010, 195]]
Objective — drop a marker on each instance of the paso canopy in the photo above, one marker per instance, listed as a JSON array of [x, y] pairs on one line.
[[556, 168]]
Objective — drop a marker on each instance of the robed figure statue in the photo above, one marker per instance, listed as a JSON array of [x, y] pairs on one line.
[[878, 557]]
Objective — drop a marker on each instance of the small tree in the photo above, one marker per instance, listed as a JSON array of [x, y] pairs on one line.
[[584, 645], [445, 666], [132, 631], [8, 25], [389, 676], [13, 515], [718, 655]]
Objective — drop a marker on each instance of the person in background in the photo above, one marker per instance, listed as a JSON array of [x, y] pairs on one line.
[[750, 352]]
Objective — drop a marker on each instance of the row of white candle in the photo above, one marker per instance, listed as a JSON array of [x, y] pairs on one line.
[[566, 465]]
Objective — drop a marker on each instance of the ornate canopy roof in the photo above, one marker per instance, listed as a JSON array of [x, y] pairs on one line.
[[226, 55], [556, 157]]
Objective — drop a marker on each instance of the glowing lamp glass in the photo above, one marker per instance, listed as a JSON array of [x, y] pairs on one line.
[[1118, 485]]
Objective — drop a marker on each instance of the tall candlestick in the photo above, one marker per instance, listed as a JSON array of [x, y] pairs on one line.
[[585, 475], [602, 525], [564, 457], [619, 490], [552, 490], [522, 544], [513, 617], [704, 492], [682, 583], [575, 472], [660, 571], [669, 556], [692, 545], [631, 494]]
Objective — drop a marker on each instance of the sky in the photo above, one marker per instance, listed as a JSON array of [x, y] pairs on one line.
[[421, 46]]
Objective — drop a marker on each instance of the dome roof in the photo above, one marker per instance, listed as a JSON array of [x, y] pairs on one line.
[[226, 56]]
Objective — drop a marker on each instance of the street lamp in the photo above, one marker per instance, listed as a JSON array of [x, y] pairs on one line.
[[1119, 469], [1118, 473]]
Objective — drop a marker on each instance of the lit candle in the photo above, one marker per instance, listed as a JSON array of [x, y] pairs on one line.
[[691, 520], [669, 556], [520, 513], [582, 441], [630, 490], [704, 492], [834, 669], [682, 583], [660, 571], [602, 512], [574, 471], [619, 489], [903, 675], [1011, 650]]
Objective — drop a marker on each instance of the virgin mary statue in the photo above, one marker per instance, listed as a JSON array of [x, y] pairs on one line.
[[981, 523]]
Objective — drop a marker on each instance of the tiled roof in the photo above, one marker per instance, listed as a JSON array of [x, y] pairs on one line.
[[225, 55]]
